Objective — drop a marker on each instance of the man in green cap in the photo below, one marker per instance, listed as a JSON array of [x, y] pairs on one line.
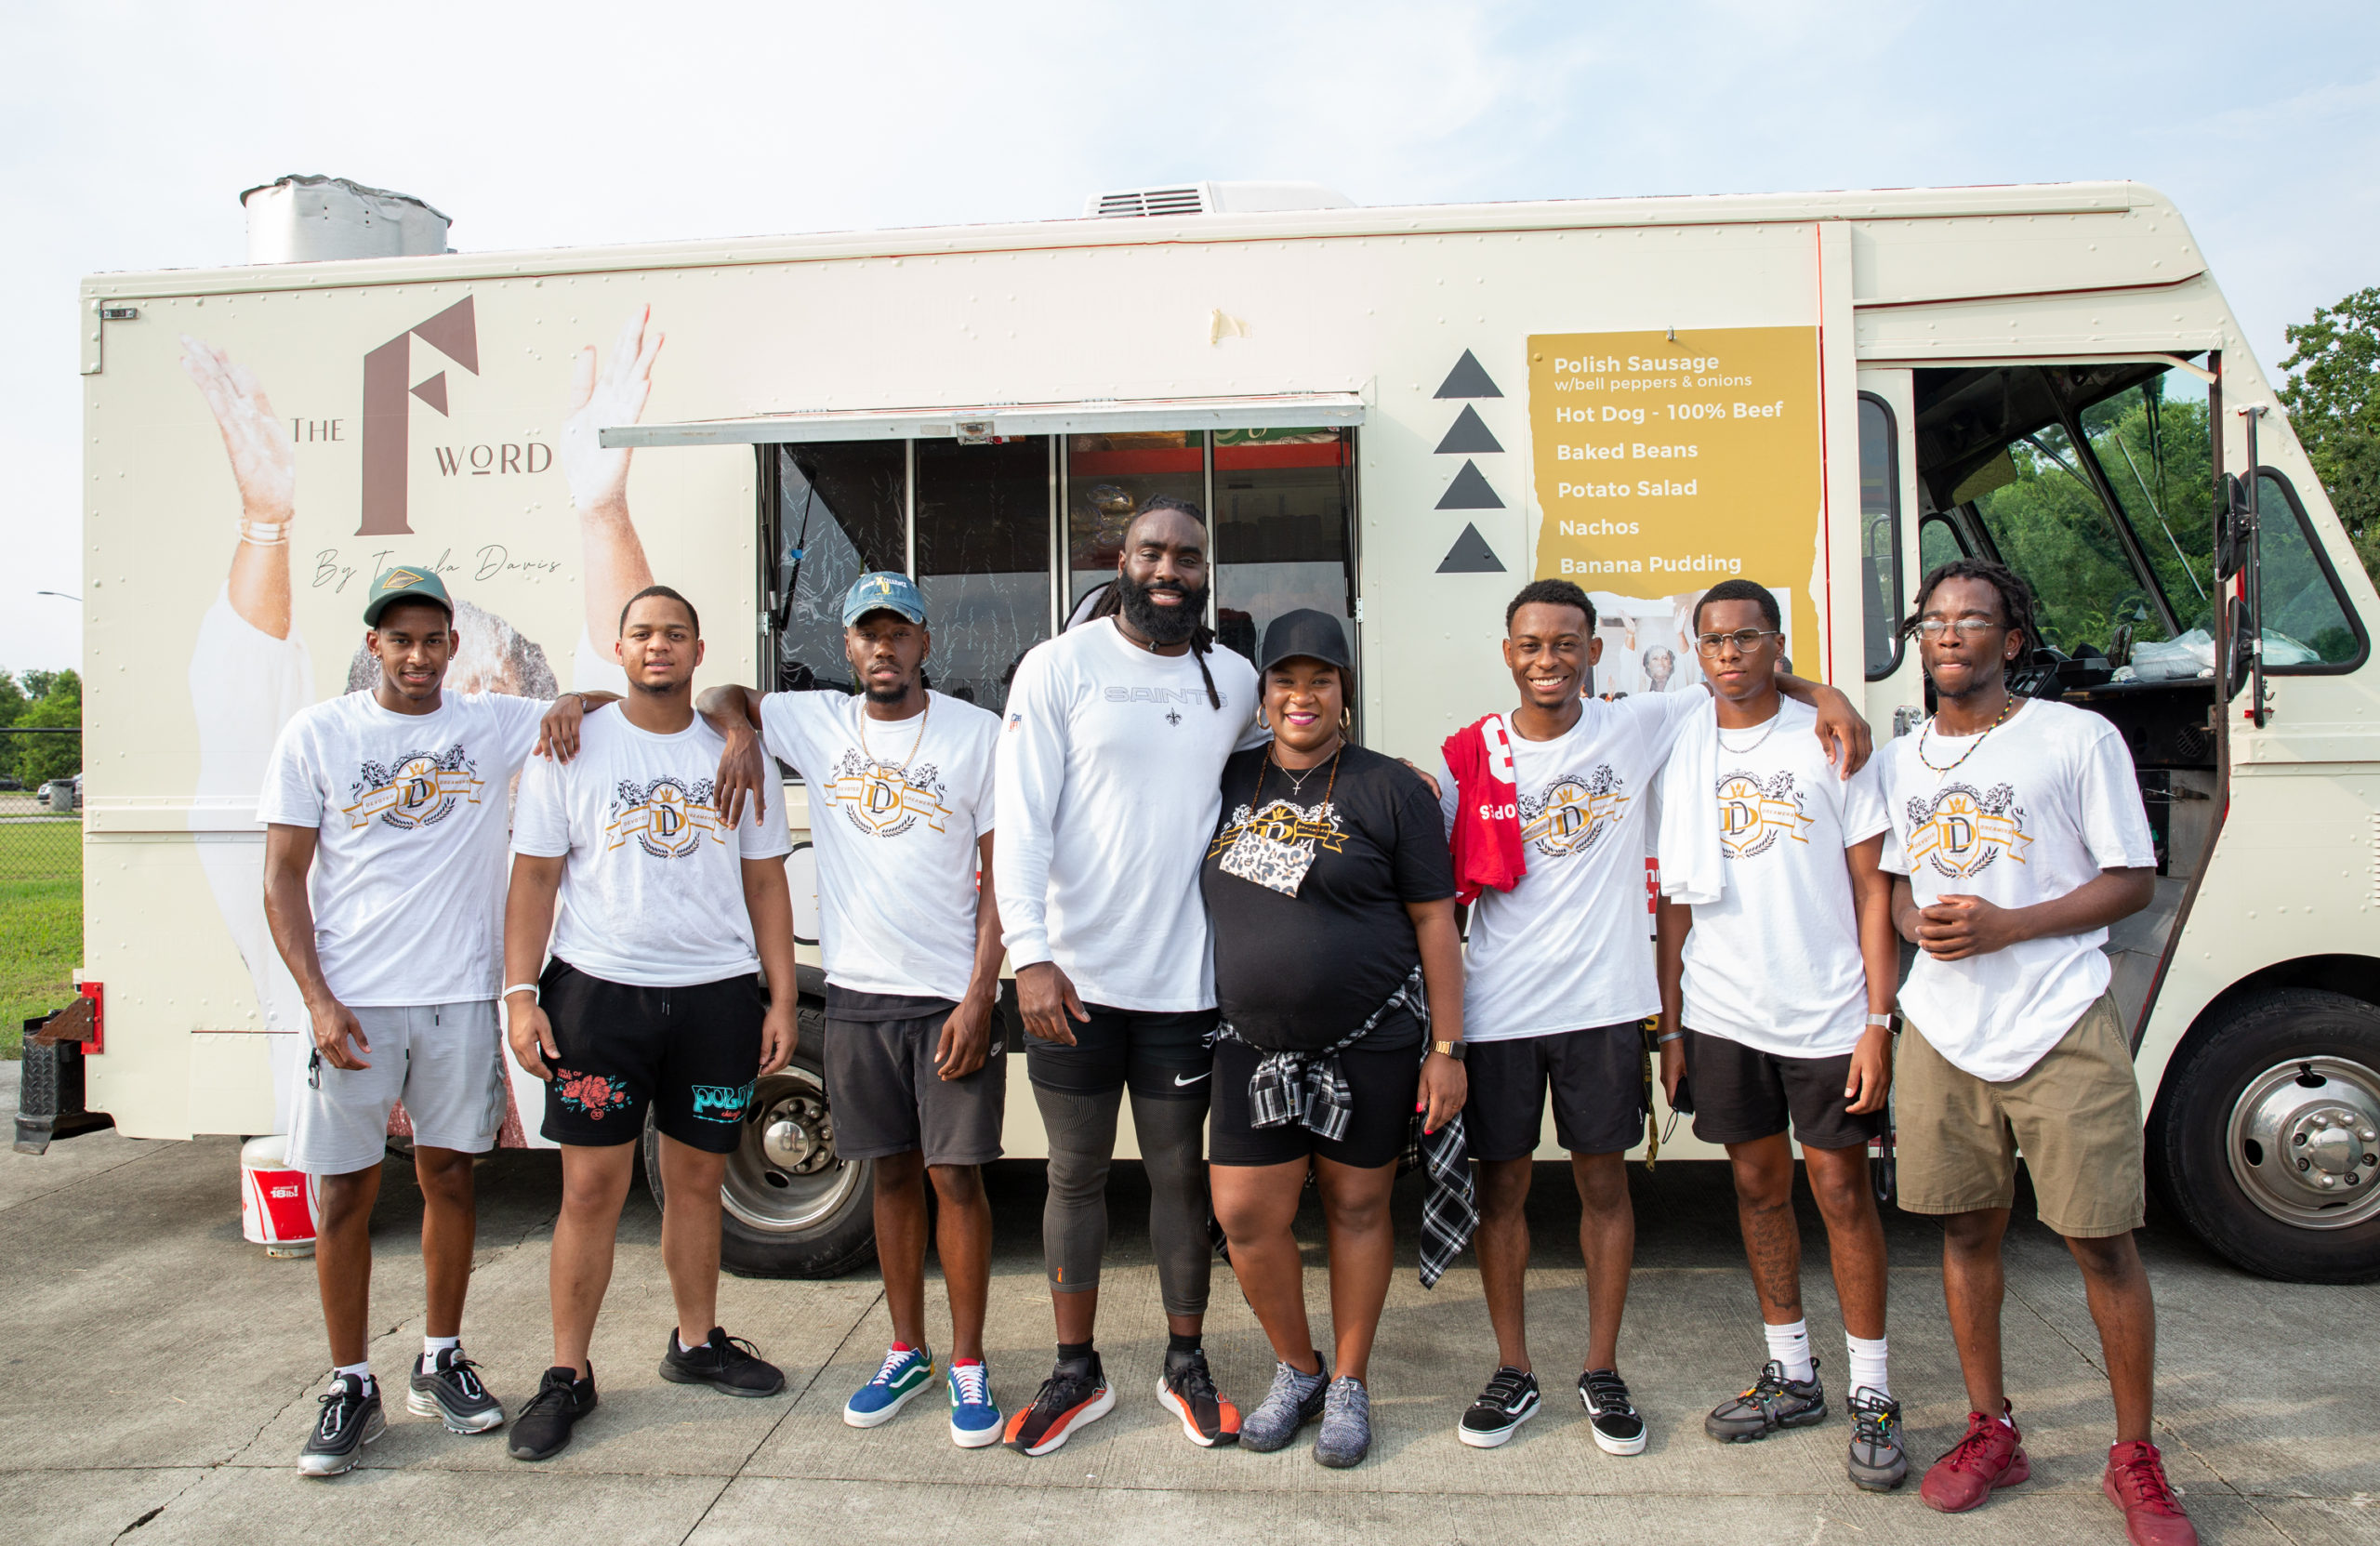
[[384, 841]]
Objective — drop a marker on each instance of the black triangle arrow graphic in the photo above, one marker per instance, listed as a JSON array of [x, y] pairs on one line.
[[1470, 555], [1468, 379], [1470, 436], [1470, 492]]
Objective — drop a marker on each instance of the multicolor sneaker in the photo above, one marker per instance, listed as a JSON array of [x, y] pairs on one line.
[[1295, 1400], [1076, 1392], [974, 1421], [1346, 1435], [447, 1387], [1187, 1390], [1992, 1455], [1611, 1415], [350, 1420], [906, 1371], [2135, 1481], [1774, 1402], [1877, 1463]]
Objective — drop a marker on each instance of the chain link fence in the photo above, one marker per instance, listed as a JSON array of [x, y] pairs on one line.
[[41, 874]]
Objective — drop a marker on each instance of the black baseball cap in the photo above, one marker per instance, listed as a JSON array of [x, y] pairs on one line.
[[1315, 635]]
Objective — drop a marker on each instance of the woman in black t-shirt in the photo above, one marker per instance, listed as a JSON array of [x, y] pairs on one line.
[[1332, 897]]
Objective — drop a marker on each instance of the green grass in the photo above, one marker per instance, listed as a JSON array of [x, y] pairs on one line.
[[41, 922]]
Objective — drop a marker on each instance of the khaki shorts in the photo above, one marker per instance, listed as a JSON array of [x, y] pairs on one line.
[[2075, 1114]]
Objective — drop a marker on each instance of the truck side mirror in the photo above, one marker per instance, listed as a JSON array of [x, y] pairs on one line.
[[2230, 526], [2240, 635]]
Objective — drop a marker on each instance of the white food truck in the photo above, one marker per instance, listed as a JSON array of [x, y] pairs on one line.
[[1395, 415]]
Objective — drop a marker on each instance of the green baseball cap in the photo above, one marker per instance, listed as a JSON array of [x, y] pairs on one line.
[[404, 584]]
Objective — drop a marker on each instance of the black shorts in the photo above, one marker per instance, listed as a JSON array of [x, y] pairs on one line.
[[689, 1053], [1741, 1093], [889, 1098], [1383, 1081], [1597, 1079], [1162, 1056]]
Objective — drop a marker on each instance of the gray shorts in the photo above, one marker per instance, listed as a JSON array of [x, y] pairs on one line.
[[444, 1061], [888, 1099]]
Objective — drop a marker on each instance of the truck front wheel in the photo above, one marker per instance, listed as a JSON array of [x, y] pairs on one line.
[[790, 1208], [2268, 1139]]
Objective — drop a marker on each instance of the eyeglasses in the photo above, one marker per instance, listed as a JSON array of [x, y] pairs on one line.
[[1933, 628], [1744, 639]]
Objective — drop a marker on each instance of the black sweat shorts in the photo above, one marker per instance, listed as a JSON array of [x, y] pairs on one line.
[[1741, 1093], [889, 1098], [1162, 1056], [689, 1053], [1384, 1081], [1597, 1079]]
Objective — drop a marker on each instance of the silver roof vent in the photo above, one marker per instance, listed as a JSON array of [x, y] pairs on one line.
[[1215, 198], [313, 219]]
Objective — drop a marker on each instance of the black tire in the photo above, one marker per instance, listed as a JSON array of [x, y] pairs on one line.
[[795, 1210], [2227, 1148]]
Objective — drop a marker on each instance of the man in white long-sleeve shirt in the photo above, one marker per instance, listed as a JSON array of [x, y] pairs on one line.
[[1109, 775]]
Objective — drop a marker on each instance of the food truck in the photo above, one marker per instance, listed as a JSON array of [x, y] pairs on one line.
[[1397, 415]]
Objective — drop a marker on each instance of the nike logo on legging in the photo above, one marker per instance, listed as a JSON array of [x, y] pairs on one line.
[[1179, 1081]]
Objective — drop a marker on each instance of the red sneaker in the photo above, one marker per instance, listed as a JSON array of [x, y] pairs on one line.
[[1992, 1455], [2136, 1482]]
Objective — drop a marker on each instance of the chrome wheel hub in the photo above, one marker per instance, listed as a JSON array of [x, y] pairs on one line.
[[2304, 1143], [785, 1177]]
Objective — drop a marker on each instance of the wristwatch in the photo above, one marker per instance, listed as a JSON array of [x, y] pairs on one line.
[[1884, 1020], [1450, 1048]]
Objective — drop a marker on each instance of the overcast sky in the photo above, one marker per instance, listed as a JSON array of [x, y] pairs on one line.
[[127, 130]]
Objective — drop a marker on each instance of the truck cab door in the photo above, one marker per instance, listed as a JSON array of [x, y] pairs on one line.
[[1888, 545]]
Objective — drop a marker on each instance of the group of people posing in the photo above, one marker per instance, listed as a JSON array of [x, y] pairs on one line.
[[1214, 901]]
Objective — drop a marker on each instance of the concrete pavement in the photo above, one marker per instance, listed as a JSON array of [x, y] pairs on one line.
[[156, 1371]]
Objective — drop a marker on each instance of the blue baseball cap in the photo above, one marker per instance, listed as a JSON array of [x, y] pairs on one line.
[[886, 592]]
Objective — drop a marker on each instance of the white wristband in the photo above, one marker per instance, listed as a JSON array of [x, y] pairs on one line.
[[1883, 1021], [529, 988]]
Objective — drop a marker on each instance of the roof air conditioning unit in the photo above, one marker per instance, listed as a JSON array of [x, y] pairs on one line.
[[1215, 198], [310, 219]]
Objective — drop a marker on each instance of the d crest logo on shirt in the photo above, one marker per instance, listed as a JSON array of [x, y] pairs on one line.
[[1573, 814], [668, 818], [883, 801], [1960, 833], [1754, 815], [419, 788]]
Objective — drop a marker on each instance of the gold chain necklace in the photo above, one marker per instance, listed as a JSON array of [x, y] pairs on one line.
[[2011, 709], [913, 745]]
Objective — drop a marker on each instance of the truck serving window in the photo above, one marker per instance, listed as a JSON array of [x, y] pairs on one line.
[[1880, 577], [1283, 504], [983, 560], [840, 511], [2309, 629]]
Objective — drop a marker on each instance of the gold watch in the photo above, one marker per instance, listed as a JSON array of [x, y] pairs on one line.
[[1448, 1048]]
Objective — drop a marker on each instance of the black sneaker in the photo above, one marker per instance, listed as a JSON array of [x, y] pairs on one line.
[[1877, 1463], [541, 1429], [1187, 1390], [1774, 1402], [1611, 1417], [1076, 1392], [723, 1363], [449, 1390], [350, 1420], [1510, 1400]]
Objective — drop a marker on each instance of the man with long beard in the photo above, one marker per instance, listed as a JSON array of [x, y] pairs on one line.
[[1109, 782]]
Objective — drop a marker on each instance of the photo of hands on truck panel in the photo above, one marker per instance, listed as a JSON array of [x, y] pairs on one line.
[[1394, 417]]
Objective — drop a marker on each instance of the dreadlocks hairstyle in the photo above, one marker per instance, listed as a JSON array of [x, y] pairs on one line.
[[2015, 596], [1549, 593], [1740, 591], [1202, 638]]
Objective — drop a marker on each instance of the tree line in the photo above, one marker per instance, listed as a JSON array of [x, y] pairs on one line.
[[42, 700]]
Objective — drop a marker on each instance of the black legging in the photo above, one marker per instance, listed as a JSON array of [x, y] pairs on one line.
[[1074, 1221]]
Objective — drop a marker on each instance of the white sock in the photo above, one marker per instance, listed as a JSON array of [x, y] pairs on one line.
[[681, 1343], [1790, 1345], [1867, 1364], [362, 1371], [432, 1346]]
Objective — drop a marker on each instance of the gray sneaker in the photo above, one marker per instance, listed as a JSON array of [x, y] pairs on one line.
[[1774, 1402], [1346, 1424], [1294, 1401], [1877, 1463]]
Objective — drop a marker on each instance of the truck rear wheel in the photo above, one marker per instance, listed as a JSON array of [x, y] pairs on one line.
[[790, 1206], [2268, 1141]]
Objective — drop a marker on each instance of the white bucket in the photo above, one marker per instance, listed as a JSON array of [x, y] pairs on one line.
[[277, 1204]]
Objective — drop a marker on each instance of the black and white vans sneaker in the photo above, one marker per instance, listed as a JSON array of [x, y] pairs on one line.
[[350, 1420], [447, 1387], [1611, 1417], [1510, 1400]]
